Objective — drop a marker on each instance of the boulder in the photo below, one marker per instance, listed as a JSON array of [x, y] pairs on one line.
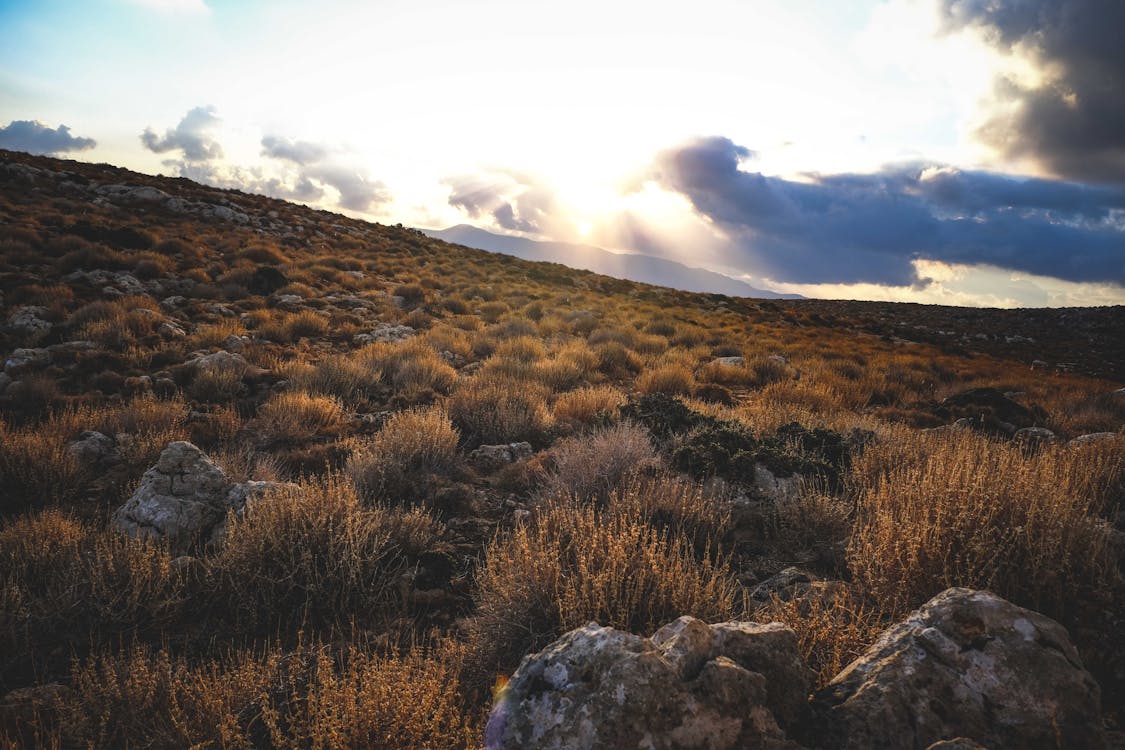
[[692, 685], [1034, 437], [92, 448], [385, 332], [971, 665], [185, 498], [1092, 438], [28, 324], [222, 361], [22, 361], [989, 410], [489, 458]]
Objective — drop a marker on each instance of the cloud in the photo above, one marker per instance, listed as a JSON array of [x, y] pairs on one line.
[[1071, 119], [316, 167], [856, 228], [514, 201], [192, 136], [34, 137], [298, 152]]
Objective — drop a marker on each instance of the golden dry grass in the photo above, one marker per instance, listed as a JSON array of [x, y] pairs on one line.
[[394, 462]]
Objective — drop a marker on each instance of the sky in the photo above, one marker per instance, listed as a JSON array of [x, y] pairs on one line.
[[966, 152]]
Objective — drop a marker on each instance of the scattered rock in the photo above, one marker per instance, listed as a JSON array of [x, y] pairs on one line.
[[385, 332], [731, 685], [93, 448], [730, 361], [222, 362], [28, 324], [967, 664], [489, 458], [989, 410], [22, 361], [1034, 437], [1092, 438], [185, 498]]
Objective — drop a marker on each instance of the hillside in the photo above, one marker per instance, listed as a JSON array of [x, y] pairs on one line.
[[636, 267], [275, 477]]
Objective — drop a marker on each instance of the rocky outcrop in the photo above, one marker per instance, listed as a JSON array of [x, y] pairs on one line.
[[385, 332], [971, 665], [966, 670], [489, 458], [731, 685], [28, 324], [185, 499]]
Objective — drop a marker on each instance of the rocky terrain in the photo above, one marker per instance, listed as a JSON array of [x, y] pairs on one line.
[[275, 477]]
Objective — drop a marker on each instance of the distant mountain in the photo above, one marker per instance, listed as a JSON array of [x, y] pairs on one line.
[[642, 268]]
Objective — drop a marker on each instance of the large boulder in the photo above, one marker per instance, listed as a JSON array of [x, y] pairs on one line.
[[185, 499], [971, 665], [691, 685]]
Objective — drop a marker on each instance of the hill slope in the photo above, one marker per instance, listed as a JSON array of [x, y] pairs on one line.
[[635, 267], [271, 475]]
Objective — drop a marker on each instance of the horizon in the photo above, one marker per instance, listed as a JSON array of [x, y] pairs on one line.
[[933, 151]]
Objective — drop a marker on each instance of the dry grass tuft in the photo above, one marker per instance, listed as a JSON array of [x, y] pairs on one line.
[[571, 565], [499, 410], [394, 463], [592, 466], [295, 417], [955, 509]]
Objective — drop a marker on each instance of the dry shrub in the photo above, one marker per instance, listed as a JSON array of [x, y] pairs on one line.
[[35, 465], [587, 406], [64, 585], [499, 410], [346, 378], [568, 367], [811, 520], [296, 417], [394, 463], [834, 626], [216, 385], [263, 254], [672, 378], [592, 466], [408, 366], [570, 565], [309, 698], [955, 509], [677, 508], [616, 360], [521, 349], [317, 557], [304, 324], [214, 335]]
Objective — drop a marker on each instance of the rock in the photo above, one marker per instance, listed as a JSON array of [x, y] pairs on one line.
[[989, 410], [22, 361], [730, 685], [1092, 438], [222, 362], [786, 585], [266, 280], [5, 381], [1034, 437], [385, 332], [184, 499], [170, 330], [489, 458], [28, 324], [729, 361], [777, 489], [92, 448], [966, 664], [288, 301], [961, 743]]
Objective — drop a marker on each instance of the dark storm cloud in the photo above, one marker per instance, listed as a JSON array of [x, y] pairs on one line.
[[514, 201], [34, 137], [850, 228], [1074, 123], [192, 136], [298, 152]]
